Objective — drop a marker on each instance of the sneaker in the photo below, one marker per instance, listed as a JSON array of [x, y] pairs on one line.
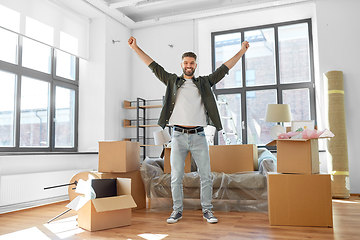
[[209, 216], [174, 217]]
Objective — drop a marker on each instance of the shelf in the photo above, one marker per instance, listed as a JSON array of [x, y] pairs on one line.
[[127, 124], [151, 106], [127, 105], [142, 106]]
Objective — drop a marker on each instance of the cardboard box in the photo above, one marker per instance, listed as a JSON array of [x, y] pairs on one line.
[[119, 156], [224, 158], [233, 158], [298, 156], [300, 199], [167, 167], [137, 185], [104, 213]]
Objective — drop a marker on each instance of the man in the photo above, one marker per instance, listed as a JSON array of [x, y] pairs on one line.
[[189, 106]]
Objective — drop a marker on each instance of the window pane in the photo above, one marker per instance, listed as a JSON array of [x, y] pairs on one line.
[[65, 65], [230, 111], [8, 46], [258, 131], [34, 129], [294, 53], [299, 100], [65, 117], [36, 56], [7, 109], [226, 46], [260, 59]]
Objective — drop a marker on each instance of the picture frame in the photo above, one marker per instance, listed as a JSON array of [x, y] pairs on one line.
[[302, 125]]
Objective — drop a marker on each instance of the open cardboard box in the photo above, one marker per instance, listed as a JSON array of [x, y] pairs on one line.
[[104, 213], [137, 185], [298, 156]]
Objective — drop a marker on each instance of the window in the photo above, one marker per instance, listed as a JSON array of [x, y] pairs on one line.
[[278, 68], [7, 108], [38, 96], [34, 113]]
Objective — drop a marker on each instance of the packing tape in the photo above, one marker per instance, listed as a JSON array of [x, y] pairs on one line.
[[346, 173], [336, 91]]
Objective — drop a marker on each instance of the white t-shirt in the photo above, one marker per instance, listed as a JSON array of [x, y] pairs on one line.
[[189, 110]]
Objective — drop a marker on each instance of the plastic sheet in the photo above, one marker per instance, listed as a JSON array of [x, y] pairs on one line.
[[244, 191]]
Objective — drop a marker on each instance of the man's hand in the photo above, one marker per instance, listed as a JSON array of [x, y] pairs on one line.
[[232, 61], [245, 45], [132, 42], [143, 56]]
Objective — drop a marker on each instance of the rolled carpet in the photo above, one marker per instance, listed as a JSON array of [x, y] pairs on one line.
[[337, 154]]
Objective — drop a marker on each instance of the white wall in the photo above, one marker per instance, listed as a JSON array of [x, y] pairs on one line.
[[335, 34], [92, 90], [105, 82], [338, 34], [118, 78]]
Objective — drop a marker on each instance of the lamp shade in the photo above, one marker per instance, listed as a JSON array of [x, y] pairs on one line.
[[278, 113], [161, 137]]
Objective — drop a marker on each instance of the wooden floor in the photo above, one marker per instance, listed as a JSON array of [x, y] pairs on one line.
[[31, 224]]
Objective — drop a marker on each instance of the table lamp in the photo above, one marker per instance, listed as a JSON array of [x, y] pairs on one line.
[[277, 113], [161, 137]]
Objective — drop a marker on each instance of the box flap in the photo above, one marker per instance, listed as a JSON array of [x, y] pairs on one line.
[[78, 203], [299, 139], [114, 203], [123, 186]]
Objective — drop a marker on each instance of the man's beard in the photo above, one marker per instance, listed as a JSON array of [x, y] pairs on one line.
[[187, 73]]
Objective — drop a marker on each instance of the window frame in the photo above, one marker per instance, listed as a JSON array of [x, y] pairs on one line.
[[19, 71], [278, 86]]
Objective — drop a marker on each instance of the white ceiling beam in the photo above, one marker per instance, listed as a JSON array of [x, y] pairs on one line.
[[215, 12], [122, 18], [126, 3], [112, 12]]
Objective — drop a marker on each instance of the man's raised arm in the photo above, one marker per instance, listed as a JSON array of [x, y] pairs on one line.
[[232, 61], [142, 55]]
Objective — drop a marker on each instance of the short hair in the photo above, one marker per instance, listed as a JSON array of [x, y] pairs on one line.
[[189, 54]]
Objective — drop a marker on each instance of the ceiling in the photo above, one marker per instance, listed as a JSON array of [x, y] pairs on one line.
[[143, 13]]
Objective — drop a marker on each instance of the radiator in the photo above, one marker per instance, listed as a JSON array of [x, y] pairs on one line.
[[15, 189]]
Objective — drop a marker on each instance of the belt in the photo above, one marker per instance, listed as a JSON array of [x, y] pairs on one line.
[[188, 130]]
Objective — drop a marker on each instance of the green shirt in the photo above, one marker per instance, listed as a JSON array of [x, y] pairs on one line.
[[203, 83]]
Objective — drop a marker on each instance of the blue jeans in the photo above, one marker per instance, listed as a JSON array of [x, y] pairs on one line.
[[180, 145]]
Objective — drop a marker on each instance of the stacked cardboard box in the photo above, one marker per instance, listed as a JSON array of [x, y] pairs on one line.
[[120, 161], [297, 194]]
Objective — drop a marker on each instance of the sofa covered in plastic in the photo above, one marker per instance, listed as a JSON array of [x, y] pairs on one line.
[[242, 191]]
